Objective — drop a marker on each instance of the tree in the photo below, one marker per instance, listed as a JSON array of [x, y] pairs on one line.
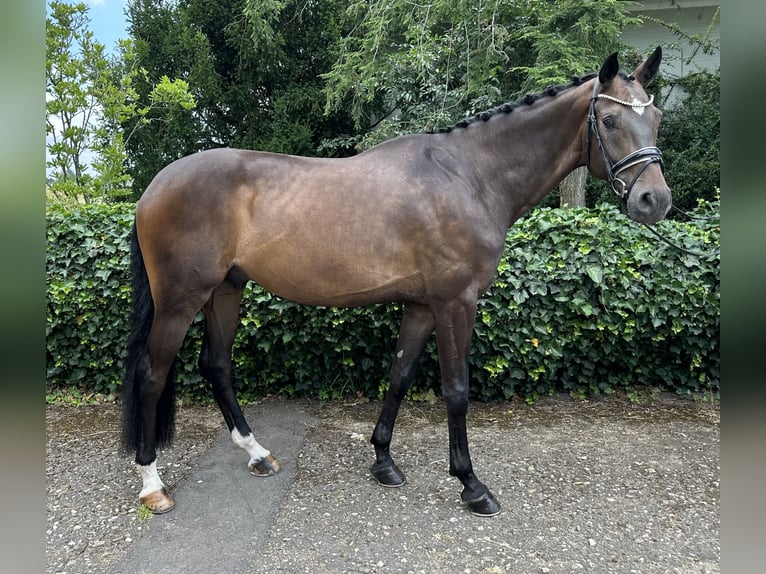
[[119, 101], [88, 98], [409, 66], [70, 105], [406, 66], [572, 36], [253, 67], [690, 132], [690, 138]]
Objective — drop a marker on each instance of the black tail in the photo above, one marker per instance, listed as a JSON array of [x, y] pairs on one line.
[[137, 361]]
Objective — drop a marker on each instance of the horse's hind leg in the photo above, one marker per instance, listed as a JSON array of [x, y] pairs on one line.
[[156, 398], [222, 318], [417, 325]]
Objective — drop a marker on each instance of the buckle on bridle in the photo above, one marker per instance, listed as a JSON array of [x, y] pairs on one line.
[[620, 193]]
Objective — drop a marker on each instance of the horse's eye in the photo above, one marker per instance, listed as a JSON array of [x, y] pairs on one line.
[[609, 123]]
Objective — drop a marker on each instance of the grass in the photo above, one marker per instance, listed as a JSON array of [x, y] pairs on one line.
[[74, 397], [142, 512]]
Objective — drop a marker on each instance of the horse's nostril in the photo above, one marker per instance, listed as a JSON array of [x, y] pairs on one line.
[[647, 199]]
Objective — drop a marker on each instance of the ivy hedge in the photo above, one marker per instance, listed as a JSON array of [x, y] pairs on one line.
[[584, 302]]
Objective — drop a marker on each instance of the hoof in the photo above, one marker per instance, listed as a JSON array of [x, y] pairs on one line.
[[485, 505], [158, 502], [388, 475], [265, 467]]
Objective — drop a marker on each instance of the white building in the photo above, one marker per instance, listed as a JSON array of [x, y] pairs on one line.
[[692, 17]]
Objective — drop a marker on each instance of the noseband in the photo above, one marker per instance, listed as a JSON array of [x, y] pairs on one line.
[[645, 155]]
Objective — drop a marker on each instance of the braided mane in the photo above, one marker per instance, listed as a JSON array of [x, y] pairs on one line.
[[507, 108]]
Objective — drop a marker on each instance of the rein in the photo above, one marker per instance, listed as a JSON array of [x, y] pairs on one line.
[[678, 247], [694, 217], [645, 155]]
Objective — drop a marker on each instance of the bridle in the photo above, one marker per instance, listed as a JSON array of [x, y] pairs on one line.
[[645, 155]]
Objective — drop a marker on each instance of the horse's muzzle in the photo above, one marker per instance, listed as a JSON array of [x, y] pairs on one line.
[[649, 205]]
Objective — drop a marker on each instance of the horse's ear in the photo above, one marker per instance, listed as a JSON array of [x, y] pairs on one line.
[[648, 68], [608, 70]]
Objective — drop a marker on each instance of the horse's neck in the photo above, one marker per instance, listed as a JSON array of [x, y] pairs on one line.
[[524, 154]]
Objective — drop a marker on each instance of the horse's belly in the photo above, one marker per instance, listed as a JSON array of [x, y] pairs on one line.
[[312, 278]]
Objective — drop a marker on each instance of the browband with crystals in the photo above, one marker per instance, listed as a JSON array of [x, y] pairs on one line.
[[634, 104]]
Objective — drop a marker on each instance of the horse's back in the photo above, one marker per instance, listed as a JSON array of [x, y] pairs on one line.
[[320, 231]]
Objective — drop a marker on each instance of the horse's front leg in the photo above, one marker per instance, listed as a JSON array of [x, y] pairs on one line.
[[454, 326], [417, 325]]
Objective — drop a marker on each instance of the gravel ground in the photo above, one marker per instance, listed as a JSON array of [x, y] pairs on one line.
[[92, 486], [590, 486]]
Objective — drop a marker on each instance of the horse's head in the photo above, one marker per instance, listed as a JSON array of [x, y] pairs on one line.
[[623, 123]]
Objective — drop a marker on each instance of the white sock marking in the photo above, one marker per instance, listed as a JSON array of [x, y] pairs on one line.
[[151, 478], [254, 450]]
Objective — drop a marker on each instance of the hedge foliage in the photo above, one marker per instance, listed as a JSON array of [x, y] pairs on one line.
[[584, 302]]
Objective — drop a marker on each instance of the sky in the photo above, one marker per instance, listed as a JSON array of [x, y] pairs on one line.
[[107, 21]]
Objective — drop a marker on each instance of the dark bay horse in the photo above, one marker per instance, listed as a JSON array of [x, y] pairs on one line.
[[419, 219]]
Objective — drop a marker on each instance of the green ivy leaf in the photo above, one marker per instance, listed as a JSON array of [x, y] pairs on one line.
[[596, 273], [587, 334]]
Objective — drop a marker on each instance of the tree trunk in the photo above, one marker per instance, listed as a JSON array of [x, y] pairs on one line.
[[572, 189]]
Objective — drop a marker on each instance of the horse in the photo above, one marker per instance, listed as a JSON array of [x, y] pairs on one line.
[[420, 220]]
